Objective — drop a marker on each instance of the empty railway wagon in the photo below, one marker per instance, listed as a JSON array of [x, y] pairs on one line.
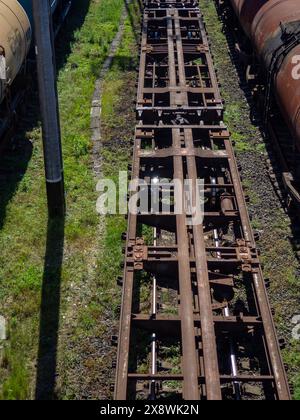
[[16, 35]]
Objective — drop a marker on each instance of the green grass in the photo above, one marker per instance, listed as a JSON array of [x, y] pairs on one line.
[[281, 267], [118, 120], [24, 232], [297, 388]]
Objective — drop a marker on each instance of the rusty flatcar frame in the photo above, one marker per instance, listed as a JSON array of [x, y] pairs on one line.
[[180, 135], [163, 86]]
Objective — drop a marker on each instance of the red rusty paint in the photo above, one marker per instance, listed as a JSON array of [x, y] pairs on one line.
[[261, 20], [246, 11], [288, 94]]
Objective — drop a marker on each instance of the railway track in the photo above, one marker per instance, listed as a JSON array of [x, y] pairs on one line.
[[195, 319]]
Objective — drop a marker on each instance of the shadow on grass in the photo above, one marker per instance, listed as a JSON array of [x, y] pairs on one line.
[[14, 159], [50, 301], [50, 310]]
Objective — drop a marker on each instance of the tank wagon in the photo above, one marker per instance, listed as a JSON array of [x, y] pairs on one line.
[[274, 28], [16, 38]]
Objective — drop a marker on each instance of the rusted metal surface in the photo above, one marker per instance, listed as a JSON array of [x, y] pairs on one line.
[[274, 29], [213, 336], [169, 35], [246, 11]]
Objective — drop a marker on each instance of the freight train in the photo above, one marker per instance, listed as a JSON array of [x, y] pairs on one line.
[[16, 38], [273, 29]]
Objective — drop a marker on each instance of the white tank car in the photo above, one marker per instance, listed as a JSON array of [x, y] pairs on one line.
[[15, 40]]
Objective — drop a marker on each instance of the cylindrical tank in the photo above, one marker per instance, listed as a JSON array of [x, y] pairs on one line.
[[15, 40], [268, 24]]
